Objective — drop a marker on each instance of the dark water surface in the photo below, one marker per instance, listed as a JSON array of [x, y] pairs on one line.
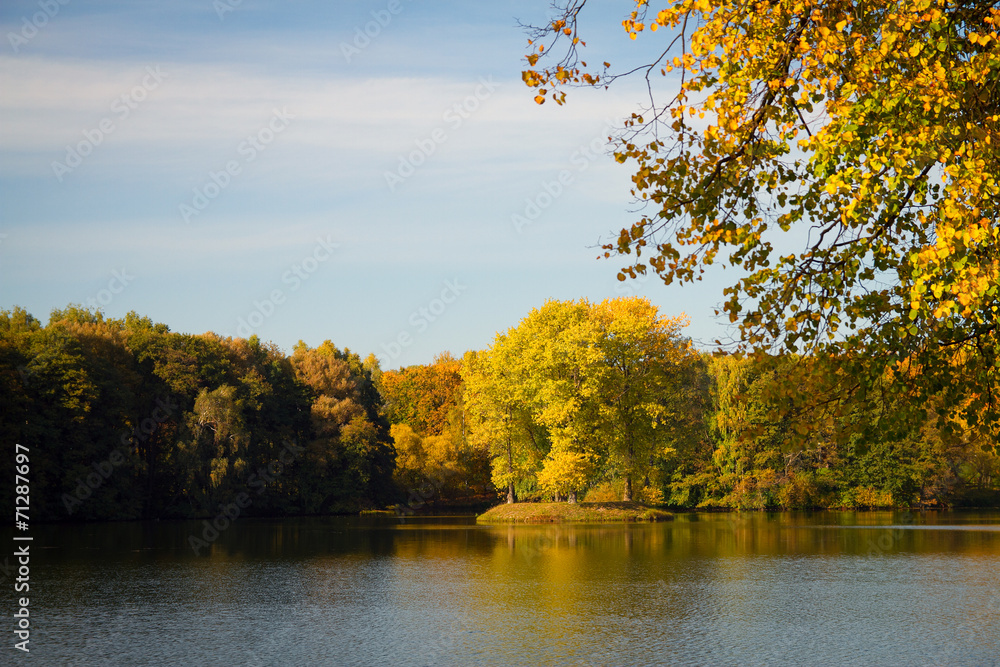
[[879, 588]]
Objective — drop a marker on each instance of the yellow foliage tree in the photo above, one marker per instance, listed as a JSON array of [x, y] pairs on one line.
[[564, 472], [642, 357], [580, 382], [869, 132], [411, 457], [499, 418]]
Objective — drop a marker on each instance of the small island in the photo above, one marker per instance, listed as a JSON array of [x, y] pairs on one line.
[[563, 512]]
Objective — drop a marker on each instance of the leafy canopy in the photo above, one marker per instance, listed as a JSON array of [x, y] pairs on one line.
[[867, 134], [578, 389]]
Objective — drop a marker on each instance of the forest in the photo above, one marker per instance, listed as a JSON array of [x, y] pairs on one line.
[[126, 419]]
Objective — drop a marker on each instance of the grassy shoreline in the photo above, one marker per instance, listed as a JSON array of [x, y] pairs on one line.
[[572, 513]]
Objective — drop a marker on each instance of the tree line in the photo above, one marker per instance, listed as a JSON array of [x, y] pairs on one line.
[[127, 420], [609, 401], [604, 401]]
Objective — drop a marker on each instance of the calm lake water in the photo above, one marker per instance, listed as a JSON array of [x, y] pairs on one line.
[[881, 588]]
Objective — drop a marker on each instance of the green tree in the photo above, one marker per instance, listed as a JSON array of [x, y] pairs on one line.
[[749, 440]]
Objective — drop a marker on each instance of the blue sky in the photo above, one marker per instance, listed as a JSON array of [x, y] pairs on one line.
[[256, 167]]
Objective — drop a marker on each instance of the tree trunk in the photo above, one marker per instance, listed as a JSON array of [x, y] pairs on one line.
[[627, 496], [511, 494]]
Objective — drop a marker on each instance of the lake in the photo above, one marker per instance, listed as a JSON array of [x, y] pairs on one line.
[[823, 588]]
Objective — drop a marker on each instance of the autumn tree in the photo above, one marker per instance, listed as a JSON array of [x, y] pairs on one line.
[[499, 415], [561, 359], [597, 381], [126, 420], [642, 360], [565, 471], [349, 458], [865, 134], [424, 405], [423, 395]]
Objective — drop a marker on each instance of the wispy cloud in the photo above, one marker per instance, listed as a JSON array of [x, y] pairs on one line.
[[324, 174]]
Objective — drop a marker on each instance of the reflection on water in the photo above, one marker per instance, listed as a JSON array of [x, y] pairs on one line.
[[886, 588]]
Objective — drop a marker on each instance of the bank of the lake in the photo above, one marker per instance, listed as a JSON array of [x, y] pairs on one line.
[[572, 513]]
